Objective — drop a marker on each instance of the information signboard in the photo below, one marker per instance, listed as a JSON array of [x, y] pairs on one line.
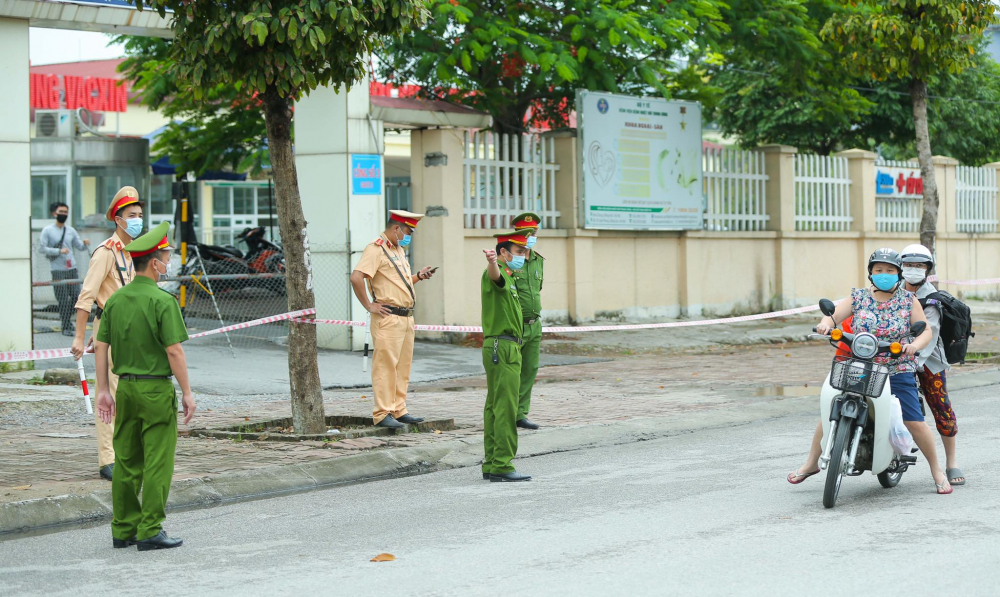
[[641, 162]]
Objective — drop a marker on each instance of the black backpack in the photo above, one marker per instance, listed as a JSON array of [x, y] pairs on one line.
[[956, 324]]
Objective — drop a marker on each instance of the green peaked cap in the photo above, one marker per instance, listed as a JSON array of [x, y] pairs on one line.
[[154, 240]]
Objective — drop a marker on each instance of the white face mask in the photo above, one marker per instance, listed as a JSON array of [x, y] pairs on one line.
[[166, 267], [914, 275]]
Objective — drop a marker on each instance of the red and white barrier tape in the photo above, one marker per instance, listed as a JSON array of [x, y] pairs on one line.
[[301, 317], [294, 315], [63, 353], [591, 328]]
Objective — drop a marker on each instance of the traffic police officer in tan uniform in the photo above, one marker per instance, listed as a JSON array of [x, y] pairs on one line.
[[110, 269], [386, 270]]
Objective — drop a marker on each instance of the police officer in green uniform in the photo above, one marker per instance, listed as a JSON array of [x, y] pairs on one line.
[[529, 290], [503, 328], [144, 326]]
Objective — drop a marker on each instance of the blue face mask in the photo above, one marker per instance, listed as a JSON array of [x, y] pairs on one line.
[[516, 262], [531, 241], [406, 240], [885, 282], [133, 227]]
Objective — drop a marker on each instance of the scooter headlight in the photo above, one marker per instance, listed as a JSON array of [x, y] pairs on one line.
[[865, 346]]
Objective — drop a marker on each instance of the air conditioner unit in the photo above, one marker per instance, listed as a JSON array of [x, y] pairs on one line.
[[55, 123]]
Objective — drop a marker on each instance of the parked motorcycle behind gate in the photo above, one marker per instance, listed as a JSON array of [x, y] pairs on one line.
[[855, 411], [262, 257]]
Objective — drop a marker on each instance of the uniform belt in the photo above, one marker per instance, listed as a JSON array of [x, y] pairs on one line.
[[137, 377], [401, 311], [531, 321], [100, 312], [513, 339]]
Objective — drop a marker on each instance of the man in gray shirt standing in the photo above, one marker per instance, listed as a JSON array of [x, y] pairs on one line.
[[57, 243]]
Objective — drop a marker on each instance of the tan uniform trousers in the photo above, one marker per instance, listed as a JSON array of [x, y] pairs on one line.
[[393, 340], [105, 432]]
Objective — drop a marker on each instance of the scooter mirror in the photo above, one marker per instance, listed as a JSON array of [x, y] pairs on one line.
[[827, 307], [918, 328]]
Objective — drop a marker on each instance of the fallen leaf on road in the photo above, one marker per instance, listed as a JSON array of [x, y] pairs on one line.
[[787, 355], [246, 418], [661, 387], [22, 487], [437, 431], [384, 557], [364, 397]]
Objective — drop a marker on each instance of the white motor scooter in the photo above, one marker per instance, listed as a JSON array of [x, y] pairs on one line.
[[855, 412]]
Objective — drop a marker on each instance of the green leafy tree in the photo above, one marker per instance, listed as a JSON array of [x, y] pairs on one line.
[[779, 82], [273, 52], [505, 57], [224, 130], [963, 116], [911, 41]]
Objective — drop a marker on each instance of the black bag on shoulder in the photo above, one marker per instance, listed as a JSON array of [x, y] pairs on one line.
[[956, 324]]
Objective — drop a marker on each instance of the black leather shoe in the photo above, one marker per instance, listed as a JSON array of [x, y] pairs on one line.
[[509, 477], [123, 543], [486, 476], [389, 422], [159, 541], [66, 332], [526, 424], [410, 419], [108, 471]]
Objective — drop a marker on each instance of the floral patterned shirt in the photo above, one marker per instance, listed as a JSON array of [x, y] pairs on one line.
[[888, 321]]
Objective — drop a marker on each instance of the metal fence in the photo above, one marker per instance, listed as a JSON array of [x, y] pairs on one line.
[[976, 199], [734, 186], [822, 194], [219, 300], [901, 211], [506, 175]]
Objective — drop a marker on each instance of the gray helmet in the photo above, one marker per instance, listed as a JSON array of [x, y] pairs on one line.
[[889, 256]]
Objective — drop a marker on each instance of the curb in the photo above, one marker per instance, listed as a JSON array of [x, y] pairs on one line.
[[30, 515]]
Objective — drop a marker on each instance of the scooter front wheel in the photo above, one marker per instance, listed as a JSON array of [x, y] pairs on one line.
[[838, 462]]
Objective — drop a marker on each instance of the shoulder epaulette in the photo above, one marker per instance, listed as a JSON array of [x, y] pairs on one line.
[[379, 242], [537, 254]]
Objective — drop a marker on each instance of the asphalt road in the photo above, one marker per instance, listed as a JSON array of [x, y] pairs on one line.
[[706, 513]]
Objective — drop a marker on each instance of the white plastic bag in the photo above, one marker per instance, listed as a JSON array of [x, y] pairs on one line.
[[899, 435]]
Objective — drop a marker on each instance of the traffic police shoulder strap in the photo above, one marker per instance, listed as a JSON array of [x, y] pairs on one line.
[[401, 276]]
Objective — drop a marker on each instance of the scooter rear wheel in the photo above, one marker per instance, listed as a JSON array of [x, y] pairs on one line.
[[890, 480], [838, 461]]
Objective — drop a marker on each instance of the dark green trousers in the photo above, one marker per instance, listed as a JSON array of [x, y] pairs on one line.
[[529, 366], [145, 441], [500, 412]]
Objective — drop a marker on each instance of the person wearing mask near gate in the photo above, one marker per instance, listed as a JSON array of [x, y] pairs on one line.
[[529, 291], [144, 326], [888, 311], [932, 362], [110, 269], [58, 243], [503, 330], [385, 269]]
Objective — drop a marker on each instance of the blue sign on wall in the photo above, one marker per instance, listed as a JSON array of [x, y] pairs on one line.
[[366, 174]]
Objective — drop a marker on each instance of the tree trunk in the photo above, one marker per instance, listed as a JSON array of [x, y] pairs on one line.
[[303, 370], [928, 223]]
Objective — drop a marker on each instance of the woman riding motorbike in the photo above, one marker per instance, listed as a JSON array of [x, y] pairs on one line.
[[887, 310]]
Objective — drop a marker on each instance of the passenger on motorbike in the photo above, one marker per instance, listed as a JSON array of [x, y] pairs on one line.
[[887, 310]]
